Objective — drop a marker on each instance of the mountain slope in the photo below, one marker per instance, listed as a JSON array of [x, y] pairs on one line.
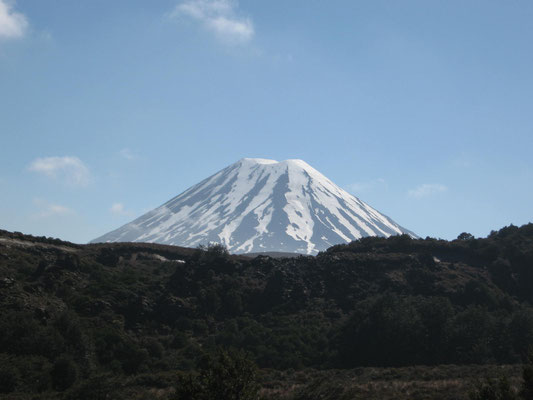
[[258, 205]]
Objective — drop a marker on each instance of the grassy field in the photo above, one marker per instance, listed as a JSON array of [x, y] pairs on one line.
[[417, 382]]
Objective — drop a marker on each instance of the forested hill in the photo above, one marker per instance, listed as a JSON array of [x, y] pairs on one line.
[[71, 314]]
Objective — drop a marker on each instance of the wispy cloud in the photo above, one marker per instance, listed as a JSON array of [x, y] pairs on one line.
[[12, 24], [68, 169], [221, 17], [462, 161], [367, 186], [119, 210], [427, 189], [127, 154], [47, 210]]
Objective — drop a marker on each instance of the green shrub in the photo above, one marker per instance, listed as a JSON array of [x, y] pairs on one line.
[[9, 379], [64, 373], [224, 376]]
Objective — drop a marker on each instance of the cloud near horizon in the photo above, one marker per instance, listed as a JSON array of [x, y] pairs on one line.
[[68, 169], [119, 210], [13, 24], [426, 190], [220, 17], [51, 210]]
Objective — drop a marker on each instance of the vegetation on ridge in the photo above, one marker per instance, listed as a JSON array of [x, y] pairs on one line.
[[90, 320]]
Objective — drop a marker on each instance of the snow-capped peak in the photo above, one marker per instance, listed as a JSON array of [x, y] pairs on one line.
[[259, 161], [258, 205]]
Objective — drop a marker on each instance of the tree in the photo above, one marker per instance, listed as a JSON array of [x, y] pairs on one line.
[[465, 236], [227, 375]]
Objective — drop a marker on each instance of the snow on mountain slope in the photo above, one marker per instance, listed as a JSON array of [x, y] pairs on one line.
[[258, 205]]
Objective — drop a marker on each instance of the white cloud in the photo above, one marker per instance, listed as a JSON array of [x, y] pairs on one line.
[[427, 189], [67, 169], [118, 209], [219, 17], [12, 24], [127, 154], [366, 187], [462, 161], [51, 210]]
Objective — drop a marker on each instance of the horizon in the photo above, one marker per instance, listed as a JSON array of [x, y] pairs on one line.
[[420, 110]]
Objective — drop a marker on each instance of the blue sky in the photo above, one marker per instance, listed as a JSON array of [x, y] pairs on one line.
[[423, 109]]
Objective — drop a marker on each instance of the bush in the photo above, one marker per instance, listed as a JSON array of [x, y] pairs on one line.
[[64, 373], [8, 379], [224, 376], [100, 387], [494, 390]]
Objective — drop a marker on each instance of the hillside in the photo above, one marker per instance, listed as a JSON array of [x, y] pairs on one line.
[[73, 315]]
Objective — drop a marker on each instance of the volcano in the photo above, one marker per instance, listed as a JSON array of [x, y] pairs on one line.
[[258, 205]]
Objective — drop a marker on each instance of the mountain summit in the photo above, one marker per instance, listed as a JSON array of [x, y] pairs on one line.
[[258, 205]]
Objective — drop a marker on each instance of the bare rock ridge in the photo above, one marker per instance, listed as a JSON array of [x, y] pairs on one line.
[[258, 205]]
